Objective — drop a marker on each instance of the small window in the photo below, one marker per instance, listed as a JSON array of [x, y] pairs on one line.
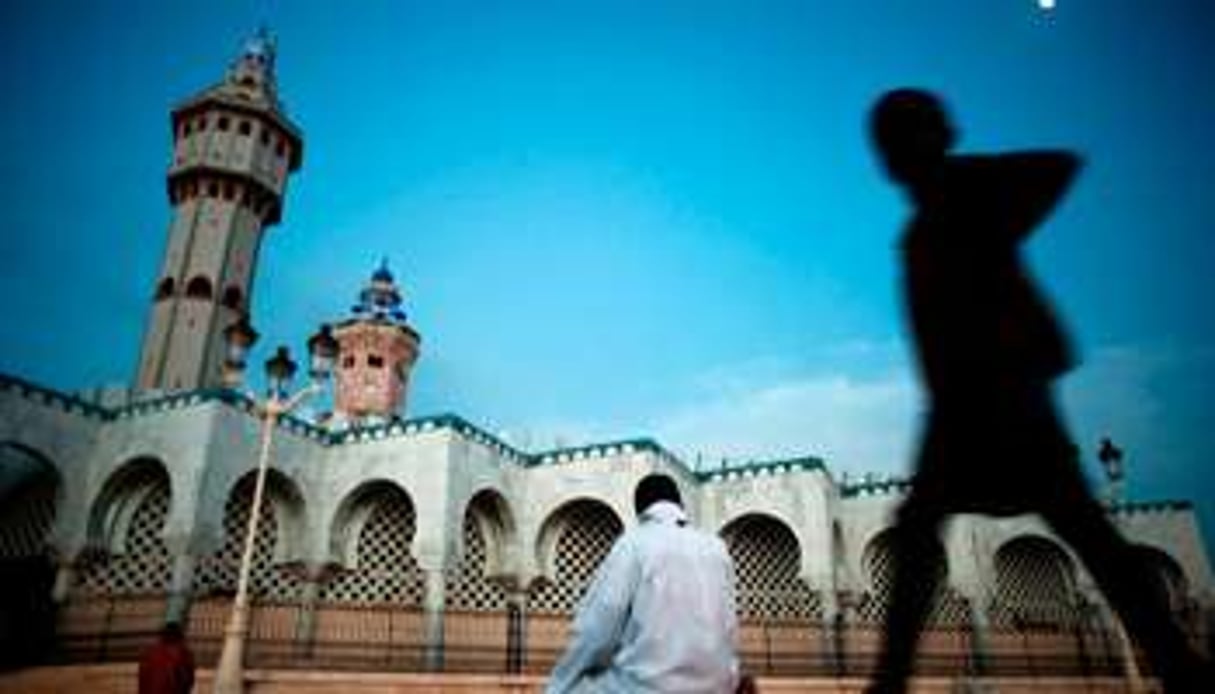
[[375, 361], [199, 288], [265, 136], [223, 123], [165, 289], [245, 127], [187, 129], [348, 361], [229, 190], [202, 124], [233, 298], [213, 189]]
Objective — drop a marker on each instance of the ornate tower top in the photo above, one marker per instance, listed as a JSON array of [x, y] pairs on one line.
[[380, 299], [253, 69], [249, 87], [378, 349], [234, 150]]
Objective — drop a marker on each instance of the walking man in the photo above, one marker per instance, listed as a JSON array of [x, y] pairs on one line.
[[989, 350]]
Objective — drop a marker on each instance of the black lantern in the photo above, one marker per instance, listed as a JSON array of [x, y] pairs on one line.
[[239, 337], [322, 351], [279, 371]]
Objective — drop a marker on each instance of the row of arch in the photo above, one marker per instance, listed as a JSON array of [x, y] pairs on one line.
[[372, 536], [200, 288]]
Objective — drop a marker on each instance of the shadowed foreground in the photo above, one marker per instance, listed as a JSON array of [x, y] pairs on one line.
[[115, 678]]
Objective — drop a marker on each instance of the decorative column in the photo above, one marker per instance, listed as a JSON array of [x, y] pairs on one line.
[[65, 577], [181, 587], [516, 630], [979, 609], [833, 626], [314, 577], [434, 599], [972, 576]]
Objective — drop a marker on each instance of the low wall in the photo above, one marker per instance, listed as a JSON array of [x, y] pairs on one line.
[[120, 679]]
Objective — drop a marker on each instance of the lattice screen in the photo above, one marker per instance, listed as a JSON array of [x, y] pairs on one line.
[[586, 537], [766, 557], [467, 589], [948, 607], [1034, 585], [385, 571], [26, 521], [143, 564], [266, 581], [1169, 572]]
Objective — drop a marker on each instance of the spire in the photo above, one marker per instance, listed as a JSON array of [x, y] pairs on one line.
[[380, 299], [253, 70]]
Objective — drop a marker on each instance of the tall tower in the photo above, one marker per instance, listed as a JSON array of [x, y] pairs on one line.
[[378, 351], [233, 150]]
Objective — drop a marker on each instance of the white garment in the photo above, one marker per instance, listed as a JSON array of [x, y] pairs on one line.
[[658, 615]]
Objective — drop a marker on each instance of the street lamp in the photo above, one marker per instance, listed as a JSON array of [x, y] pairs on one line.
[[322, 349], [1110, 456]]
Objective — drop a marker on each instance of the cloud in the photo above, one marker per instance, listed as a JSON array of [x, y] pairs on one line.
[[857, 420]]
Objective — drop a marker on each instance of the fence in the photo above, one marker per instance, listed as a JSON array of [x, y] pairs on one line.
[[391, 639]]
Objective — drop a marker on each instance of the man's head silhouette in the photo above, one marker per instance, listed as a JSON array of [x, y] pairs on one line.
[[654, 488], [912, 132]]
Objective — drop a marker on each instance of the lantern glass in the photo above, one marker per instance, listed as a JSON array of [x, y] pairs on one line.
[[279, 371], [322, 351]]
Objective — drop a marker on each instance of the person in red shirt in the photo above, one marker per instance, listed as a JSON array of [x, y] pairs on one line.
[[167, 666]]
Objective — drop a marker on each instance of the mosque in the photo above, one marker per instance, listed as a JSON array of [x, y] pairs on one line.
[[394, 542]]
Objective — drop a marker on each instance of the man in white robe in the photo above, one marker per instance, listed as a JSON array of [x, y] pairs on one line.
[[659, 614]]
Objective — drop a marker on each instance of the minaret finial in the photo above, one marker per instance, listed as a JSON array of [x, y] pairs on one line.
[[254, 67]]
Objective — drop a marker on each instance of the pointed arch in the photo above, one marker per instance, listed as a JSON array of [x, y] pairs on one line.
[[573, 541], [767, 558], [1035, 583], [1171, 576], [125, 531], [277, 539], [371, 534], [877, 569], [30, 487], [488, 533]]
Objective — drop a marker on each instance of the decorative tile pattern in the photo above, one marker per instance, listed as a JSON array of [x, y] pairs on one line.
[[467, 588], [1034, 585], [948, 607], [143, 565], [25, 522], [267, 581], [766, 554], [587, 535], [385, 571]]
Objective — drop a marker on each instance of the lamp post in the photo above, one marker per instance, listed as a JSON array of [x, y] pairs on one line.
[[1111, 462], [322, 349]]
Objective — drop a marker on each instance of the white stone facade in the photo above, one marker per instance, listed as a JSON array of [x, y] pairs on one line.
[[205, 442]]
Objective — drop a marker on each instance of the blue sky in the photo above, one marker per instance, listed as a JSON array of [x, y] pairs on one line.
[[635, 218]]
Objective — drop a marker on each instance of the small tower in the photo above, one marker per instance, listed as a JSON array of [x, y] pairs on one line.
[[378, 350], [233, 150]]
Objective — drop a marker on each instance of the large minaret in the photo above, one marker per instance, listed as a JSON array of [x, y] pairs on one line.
[[233, 149]]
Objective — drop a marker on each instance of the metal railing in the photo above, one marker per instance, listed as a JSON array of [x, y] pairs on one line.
[[390, 638]]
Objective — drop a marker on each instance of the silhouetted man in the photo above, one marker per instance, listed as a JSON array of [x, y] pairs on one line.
[[989, 350], [659, 615], [167, 666]]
